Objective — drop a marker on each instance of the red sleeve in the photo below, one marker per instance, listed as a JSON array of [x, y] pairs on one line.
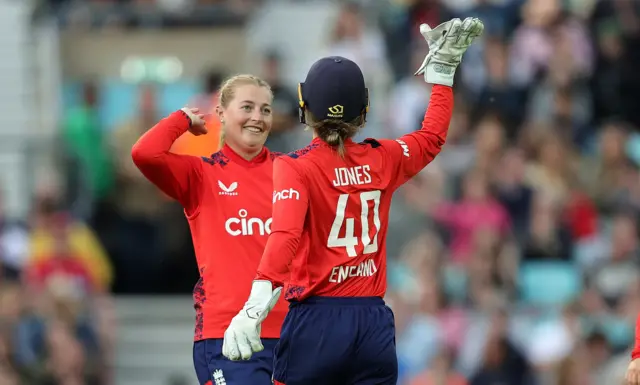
[[413, 152], [290, 204], [179, 176], [635, 354]]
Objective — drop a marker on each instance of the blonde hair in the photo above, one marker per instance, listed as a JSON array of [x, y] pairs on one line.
[[228, 91], [334, 131]]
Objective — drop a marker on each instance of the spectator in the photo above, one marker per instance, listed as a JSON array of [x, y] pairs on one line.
[[620, 271], [351, 38], [79, 241], [137, 203], [501, 360], [90, 169], [549, 173], [13, 247], [67, 360], [409, 100], [547, 237], [61, 265], [476, 210], [573, 370], [285, 106], [9, 374], [441, 372], [512, 190], [502, 364]]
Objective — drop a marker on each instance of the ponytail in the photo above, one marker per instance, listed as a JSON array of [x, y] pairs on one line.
[[335, 132]]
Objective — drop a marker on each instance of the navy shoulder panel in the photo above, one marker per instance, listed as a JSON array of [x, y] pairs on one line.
[[301, 152], [216, 158], [276, 155], [371, 142]]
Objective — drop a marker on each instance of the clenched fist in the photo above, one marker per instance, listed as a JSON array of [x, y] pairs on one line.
[[197, 121]]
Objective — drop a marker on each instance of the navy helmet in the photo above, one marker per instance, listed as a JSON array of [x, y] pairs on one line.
[[334, 89]]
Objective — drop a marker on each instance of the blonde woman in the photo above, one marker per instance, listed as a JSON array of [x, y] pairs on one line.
[[227, 201]]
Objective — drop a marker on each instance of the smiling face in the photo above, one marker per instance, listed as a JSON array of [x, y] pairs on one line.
[[245, 111]]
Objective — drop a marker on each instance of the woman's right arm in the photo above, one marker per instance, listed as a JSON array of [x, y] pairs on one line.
[[179, 176], [412, 152]]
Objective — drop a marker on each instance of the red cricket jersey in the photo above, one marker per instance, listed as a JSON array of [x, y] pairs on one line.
[[227, 201], [330, 215], [635, 353]]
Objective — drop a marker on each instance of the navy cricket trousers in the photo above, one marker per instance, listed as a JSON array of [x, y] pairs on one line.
[[212, 368], [337, 341]]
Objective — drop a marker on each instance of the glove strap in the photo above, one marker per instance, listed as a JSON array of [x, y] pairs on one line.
[[261, 300], [262, 290], [440, 73]]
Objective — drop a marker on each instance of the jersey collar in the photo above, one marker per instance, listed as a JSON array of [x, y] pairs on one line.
[[258, 160], [347, 142]]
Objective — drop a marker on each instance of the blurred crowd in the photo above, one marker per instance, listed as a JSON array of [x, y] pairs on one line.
[[147, 13], [56, 317], [513, 258]]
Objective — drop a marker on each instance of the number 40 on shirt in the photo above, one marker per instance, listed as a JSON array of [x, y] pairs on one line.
[[350, 239]]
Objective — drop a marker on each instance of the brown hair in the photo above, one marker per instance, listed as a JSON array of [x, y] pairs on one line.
[[228, 91], [334, 131]]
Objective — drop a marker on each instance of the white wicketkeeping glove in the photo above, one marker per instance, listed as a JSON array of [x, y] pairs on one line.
[[242, 337], [447, 43]]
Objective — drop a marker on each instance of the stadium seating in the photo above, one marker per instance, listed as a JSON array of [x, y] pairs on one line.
[[548, 283]]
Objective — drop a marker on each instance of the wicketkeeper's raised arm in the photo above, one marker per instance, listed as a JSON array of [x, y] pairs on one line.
[[179, 176], [447, 43], [414, 151]]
